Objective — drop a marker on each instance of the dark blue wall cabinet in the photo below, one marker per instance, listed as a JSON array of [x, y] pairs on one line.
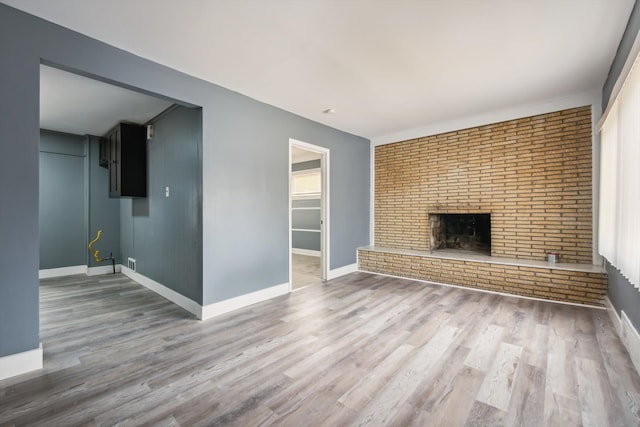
[[127, 161]]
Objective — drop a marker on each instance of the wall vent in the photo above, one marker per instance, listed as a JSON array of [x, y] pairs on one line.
[[131, 264]]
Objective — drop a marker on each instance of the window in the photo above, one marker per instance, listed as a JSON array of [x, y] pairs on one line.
[[619, 235], [306, 183]]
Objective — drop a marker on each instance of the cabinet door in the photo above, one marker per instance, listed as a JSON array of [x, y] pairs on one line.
[[115, 164]]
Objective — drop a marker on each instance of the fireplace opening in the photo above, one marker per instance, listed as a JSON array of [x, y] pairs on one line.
[[466, 232]]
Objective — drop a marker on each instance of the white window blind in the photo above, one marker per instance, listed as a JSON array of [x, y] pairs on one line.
[[619, 236]]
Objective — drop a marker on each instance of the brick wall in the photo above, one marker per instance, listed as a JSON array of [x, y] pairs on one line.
[[577, 287], [532, 174]]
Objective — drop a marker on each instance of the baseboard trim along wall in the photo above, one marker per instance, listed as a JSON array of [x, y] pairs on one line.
[[103, 269], [222, 307], [308, 252], [77, 269], [628, 334], [180, 300], [62, 271], [21, 363], [342, 271]]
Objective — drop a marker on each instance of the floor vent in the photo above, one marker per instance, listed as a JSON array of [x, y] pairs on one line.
[[131, 264]]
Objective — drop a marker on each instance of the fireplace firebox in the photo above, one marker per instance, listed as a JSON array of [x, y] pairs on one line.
[[467, 232]]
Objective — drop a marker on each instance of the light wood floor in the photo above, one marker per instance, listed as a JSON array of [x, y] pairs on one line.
[[305, 270], [359, 350]]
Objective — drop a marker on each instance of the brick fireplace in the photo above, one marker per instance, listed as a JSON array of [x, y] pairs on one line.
[[533, 175]]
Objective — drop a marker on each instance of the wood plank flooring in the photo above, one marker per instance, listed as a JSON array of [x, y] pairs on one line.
[[305, 270], [359, 350]]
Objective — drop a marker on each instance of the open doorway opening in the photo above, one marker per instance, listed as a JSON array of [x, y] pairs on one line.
[[308, 207]]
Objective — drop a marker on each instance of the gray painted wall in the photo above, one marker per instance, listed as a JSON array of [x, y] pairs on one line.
[[104, 213], [164, 234], [623, 295], [63, 204], [245, 158]]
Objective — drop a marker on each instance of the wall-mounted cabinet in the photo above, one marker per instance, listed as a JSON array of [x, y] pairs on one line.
[[127, 161]]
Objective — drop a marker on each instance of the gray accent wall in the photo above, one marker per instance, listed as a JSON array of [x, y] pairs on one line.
[[63, 204], [164, 234], [245, 168], [623, 295], [104, 213]]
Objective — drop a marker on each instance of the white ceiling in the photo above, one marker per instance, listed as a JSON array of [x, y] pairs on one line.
[[384, 66], [82, 106]]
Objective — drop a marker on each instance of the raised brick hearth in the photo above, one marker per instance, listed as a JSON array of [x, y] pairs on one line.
[[578, 284], [532, 175]]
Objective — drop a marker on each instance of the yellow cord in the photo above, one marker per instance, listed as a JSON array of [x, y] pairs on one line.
[[96, 252]]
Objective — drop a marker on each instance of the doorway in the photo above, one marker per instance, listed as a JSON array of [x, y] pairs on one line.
[[308, 207]]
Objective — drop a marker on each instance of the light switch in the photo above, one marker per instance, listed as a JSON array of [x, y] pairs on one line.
[[166, 191]]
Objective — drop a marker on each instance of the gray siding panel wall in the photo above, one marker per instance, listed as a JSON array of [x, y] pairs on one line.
[[166, 232], [104, 213], [62, 200], [245, 159], [623, 295]]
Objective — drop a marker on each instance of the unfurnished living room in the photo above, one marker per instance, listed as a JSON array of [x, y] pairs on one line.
[[320, 213]]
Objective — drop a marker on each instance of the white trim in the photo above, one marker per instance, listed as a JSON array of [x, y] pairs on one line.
[[613, 315], [313, 208], [631, 339], [103, 269], [62, 271], [627, 332], [21, 363], [231, 304], [180, 300], [342, 271], [306, 229], [307, 252], [515, 112], [504, 294]]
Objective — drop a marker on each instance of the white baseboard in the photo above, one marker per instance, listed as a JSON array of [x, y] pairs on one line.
[[631, 340], [103, 269], [341, 271], [62, 271], [21, 363], [628, 334], [222, 307], [613, 315], [184, 302], [307, 252]]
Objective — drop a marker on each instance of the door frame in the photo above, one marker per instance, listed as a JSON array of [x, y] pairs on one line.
[[324, 208]]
